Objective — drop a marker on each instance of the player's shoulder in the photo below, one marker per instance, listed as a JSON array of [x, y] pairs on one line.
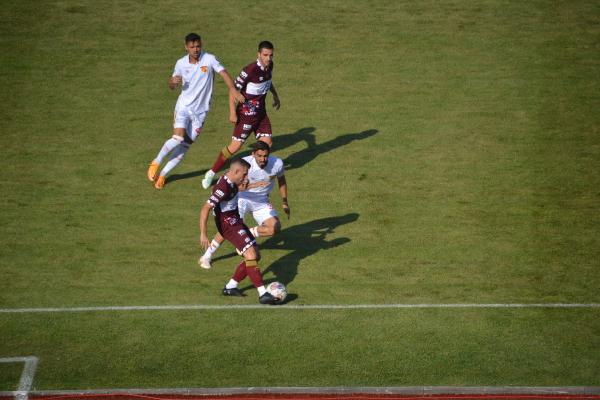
[[275, 162], [183, 60], [253, 67], [249, 159]]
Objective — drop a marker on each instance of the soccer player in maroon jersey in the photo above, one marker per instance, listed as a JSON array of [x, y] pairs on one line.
[[254, 82], [224, 202]]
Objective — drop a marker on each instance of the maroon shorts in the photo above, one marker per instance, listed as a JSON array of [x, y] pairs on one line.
[[260, 125], [236, 232]]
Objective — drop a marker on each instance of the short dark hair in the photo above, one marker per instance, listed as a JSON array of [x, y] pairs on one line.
[[192, 37], [239, 161], [265, 44], [260, 145]]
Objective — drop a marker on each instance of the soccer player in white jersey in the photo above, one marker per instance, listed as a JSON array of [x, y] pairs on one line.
[[195, 73], [254, 197]]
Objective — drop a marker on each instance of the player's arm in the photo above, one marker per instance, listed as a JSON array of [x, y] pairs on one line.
[[232, 105], [176, 77], [276, 102], [174, 81], [283, 193], [204, 242], [229, 82]]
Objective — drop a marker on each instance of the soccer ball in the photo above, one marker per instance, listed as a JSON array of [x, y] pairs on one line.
[[278, 290]]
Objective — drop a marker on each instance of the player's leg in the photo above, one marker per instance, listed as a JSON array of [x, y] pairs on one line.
[[192, 131], [241, 238], [180, 123], [264, 131], [206, 259], [240, 134], [267, 219]]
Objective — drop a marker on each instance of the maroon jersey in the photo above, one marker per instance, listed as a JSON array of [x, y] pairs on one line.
[[228, 221], [224, 199], [254, 82]]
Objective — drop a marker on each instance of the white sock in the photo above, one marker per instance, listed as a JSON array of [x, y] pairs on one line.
[[175, 159], [254, 231], [169, 145], [231, 284], [214, 245], [261, 290]]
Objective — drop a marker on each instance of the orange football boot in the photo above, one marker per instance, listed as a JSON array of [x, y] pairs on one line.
[[152, 170]]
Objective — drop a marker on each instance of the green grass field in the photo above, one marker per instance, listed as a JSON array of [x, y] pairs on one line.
[[436, 152]]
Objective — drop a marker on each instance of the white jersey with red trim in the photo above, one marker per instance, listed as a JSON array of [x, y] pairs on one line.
[[274, 169], [197, 81]]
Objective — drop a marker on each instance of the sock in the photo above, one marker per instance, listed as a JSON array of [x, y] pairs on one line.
[[261, 290], [175, 159], [214, 245], [253, 272], [254, 231], [240, 273], [169, 145], [231, 284], [224, 155]]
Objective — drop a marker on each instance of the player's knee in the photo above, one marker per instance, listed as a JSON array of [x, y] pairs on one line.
[[234, 146], [252, 253], [267, 140]]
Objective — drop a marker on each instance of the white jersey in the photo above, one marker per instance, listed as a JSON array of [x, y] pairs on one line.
[[273, 169], [197, 82]]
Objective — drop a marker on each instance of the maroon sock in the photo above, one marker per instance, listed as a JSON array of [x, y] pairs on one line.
[[224, 155], [240, 272], [253, 272]]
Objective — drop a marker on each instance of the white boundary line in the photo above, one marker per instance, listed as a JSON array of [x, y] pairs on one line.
[[292, 307], [27, 375], [398, 390]]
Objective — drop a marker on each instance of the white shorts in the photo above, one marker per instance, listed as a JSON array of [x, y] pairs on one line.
[[191, 122], [260, 211]]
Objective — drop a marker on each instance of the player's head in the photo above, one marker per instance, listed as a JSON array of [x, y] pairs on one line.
[[260, 152], [193, 45], [238, 171], [265, 53]]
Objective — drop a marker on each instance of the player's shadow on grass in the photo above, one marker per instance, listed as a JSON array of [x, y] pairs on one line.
[[187, 175], [313, 150], [303, 241], [295, 160]]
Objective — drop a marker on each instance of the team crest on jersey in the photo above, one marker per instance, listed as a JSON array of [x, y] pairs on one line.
[[204, 68], [242, 232], [261, 78]]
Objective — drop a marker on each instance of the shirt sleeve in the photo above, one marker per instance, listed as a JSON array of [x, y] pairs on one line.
[[216, 65], [280, 170], [242, 79], [216, 196], [177, 70]]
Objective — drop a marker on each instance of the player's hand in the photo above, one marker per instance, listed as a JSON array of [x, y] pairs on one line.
[[238, 96], [286, 209], [204, 243], [276, 102], [175, 80], [233, 118]]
